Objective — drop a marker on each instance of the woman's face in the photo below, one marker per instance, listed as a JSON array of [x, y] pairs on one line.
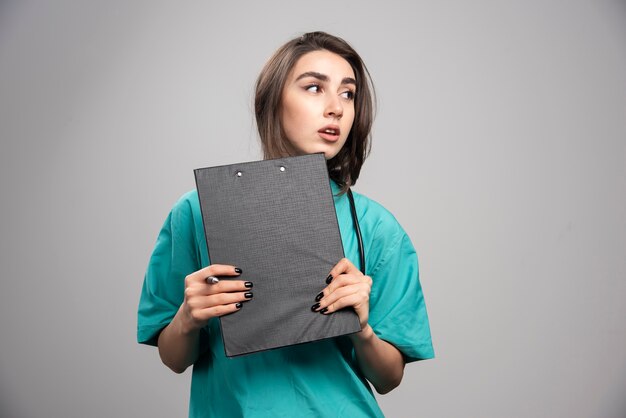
[[317, 108]]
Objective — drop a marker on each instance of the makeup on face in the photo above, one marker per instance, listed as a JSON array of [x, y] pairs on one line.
[[317, 108]]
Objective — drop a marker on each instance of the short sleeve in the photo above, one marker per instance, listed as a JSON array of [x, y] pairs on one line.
[[173, 258], [397, 308]]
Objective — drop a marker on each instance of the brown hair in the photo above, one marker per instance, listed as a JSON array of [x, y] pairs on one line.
[[345, 167]]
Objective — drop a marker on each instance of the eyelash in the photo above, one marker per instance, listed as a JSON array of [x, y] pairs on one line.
[[310, 86], [350, 94]]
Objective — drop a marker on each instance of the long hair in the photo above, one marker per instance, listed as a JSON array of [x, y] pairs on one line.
[[345, 167]]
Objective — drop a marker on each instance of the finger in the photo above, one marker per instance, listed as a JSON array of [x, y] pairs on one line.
[[200, 303], [227, 298], [343, 266], [213, 270], [228, 286], [220, 310], [354, 300], [343, 292], [340, 281], [224, 286], [346, 280]]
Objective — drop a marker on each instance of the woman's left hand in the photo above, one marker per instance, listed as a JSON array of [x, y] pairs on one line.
[[381, 362], [347, 286]]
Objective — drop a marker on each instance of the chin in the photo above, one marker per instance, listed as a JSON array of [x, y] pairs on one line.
[[329, 153]]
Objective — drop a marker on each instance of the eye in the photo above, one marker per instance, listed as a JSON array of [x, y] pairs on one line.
[[314, 88], [348, 94]]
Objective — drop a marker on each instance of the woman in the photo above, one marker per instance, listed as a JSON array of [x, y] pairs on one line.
[[312, 96]]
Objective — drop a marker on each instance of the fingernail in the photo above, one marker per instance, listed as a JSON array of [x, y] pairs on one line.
[[314, 307], [319, 296], [238, 270], [323, 311], [238, 305], [329, 279], [248, 284], [248, 295]]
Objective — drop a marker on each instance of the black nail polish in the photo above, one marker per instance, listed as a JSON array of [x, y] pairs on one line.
[[329, 279], [238, 305], [248, 284], [248, 295], [314, 307], [238, 270], [319, 296], [323, 311]]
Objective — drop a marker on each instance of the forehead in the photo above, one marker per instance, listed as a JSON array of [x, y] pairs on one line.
[[324, 62]]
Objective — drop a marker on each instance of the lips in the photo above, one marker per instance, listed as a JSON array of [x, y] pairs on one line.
[[330, 132]]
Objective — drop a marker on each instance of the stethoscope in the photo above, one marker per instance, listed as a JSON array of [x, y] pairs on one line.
[[357, 229]]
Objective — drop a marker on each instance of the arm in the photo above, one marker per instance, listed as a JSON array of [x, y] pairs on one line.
[[179, 341], [381, 362]]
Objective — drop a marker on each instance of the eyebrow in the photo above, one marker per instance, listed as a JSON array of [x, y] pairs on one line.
[[324, 77]]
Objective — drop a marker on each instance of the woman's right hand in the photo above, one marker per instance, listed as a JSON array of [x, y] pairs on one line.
[[179, 341], [204, 300]]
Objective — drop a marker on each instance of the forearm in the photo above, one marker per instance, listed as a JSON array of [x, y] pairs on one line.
[[381, 362], [179, 344]]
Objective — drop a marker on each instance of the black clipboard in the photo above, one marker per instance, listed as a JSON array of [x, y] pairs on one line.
[[276, 220]]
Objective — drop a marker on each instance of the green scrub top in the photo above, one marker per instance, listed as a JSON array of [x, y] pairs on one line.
[[319, 379]]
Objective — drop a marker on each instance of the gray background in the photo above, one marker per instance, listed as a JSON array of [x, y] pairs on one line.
[[500, 145]]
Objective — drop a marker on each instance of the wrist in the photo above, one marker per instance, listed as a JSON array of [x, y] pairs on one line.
[[185, 323], [365, 335]]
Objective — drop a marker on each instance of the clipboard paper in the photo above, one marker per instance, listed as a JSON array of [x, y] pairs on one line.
[[276, 220]]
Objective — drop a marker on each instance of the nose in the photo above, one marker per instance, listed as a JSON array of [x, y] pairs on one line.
[[334, 108]]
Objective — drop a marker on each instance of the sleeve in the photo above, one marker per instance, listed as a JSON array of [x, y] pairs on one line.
[[397, 308], [174, 257]]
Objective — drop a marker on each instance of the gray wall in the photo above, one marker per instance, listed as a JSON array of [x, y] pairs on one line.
[[500, 145]]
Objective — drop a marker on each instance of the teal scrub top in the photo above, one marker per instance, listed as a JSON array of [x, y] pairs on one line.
[[319, 379]]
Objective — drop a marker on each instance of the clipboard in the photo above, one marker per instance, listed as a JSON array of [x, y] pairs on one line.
[[276, 220]]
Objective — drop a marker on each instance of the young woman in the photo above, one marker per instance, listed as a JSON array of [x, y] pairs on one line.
[[314, 95]]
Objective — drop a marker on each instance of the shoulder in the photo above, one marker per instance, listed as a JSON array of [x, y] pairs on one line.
[[377, 219], [187, 207], [383, 236], [185, 215], [188, 202]]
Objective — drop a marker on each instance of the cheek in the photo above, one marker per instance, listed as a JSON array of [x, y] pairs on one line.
[[290, 115], [290, 118]]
